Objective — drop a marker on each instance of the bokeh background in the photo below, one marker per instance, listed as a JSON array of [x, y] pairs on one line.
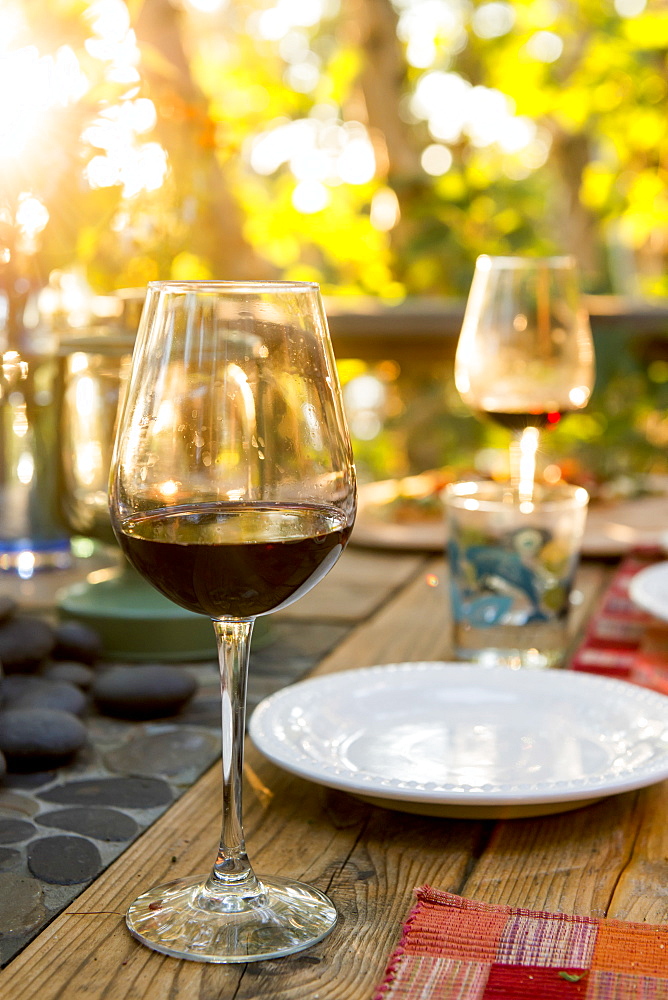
[[374, 146]]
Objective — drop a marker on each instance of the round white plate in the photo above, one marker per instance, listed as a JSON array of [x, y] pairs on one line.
[[649, 589], [448, 739]]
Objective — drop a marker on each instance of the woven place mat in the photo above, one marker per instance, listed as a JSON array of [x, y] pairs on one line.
[[622, 640], [457, 949]]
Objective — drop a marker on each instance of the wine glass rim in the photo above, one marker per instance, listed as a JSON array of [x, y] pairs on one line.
[[245, 285], [489, 261]]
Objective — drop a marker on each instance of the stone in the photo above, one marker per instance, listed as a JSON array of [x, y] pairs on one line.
[[92, 821], [64, 860], [24, 643], [34, 779], [142, 692], [33, 739], [21, 907], [13, 831], [76, 641], [124, 793], [16, 804], [201, 711], [180, 754], [9, 858], [69, 671], [30, 691]]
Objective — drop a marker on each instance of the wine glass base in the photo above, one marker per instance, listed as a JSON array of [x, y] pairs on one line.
[[288, 917]]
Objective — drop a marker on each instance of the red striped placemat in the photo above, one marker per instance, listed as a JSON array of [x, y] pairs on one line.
[[622, 640], [456, 949]]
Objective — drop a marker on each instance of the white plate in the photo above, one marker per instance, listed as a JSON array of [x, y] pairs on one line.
[[448, 739], [649, 589]]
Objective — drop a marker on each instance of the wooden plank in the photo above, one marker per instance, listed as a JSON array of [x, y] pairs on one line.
[[642, 890], [360, 582], [566, 863], [591, 581], [413, 627], [418, 625]]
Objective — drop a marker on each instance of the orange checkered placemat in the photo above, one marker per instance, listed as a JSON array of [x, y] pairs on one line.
[[456, 949]]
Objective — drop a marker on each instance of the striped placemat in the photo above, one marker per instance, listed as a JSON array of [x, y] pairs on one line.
[[453, 948], [622, 640]]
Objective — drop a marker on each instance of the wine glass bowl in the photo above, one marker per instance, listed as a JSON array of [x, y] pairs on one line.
[[233, 491], [525, 355]]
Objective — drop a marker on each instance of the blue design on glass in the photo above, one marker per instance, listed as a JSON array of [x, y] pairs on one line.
[[490, 562], [483, 612]]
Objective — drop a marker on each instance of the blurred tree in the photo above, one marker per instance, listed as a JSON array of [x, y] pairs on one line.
[[377, 146]]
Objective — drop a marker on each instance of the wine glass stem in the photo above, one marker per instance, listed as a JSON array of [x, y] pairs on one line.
[[515, 462], [232, 880], [523, 462]]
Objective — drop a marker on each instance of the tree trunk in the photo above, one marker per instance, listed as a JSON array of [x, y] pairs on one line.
[[371, 25], [188, 133], [574, 223]]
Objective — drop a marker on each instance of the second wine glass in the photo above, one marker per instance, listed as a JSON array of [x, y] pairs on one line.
[[233, 492], [525, 356]]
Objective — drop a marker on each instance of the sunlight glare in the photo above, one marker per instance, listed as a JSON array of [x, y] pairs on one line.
[[453, 108], [272, 25], [630, 8], [385, 211], [37, 84], [303, 77], [25, 468], [428, 27], [31, 215], [579, 395], [275, 22], [25, 564], [357, 162], [518, 134], [436, 159], [169, 488], [309, 197], [528, 446], [11, 24], [545, 46], [492, 20], [488, 115], [207, 6], [320, 151], [109, 19]]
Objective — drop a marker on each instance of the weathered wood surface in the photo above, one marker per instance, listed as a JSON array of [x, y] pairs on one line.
[[608, 858]]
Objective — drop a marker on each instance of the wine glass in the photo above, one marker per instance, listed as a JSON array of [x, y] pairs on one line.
[[525, 356], [233, 491]]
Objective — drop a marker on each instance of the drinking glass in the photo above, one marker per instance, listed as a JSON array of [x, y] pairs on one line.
[[525, 355], [233, 491]]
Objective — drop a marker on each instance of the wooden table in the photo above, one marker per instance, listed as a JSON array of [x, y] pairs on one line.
[[606, 859]]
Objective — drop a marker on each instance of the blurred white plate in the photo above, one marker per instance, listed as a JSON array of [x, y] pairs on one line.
[[612, 528], [649, 589], [446, 739]]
